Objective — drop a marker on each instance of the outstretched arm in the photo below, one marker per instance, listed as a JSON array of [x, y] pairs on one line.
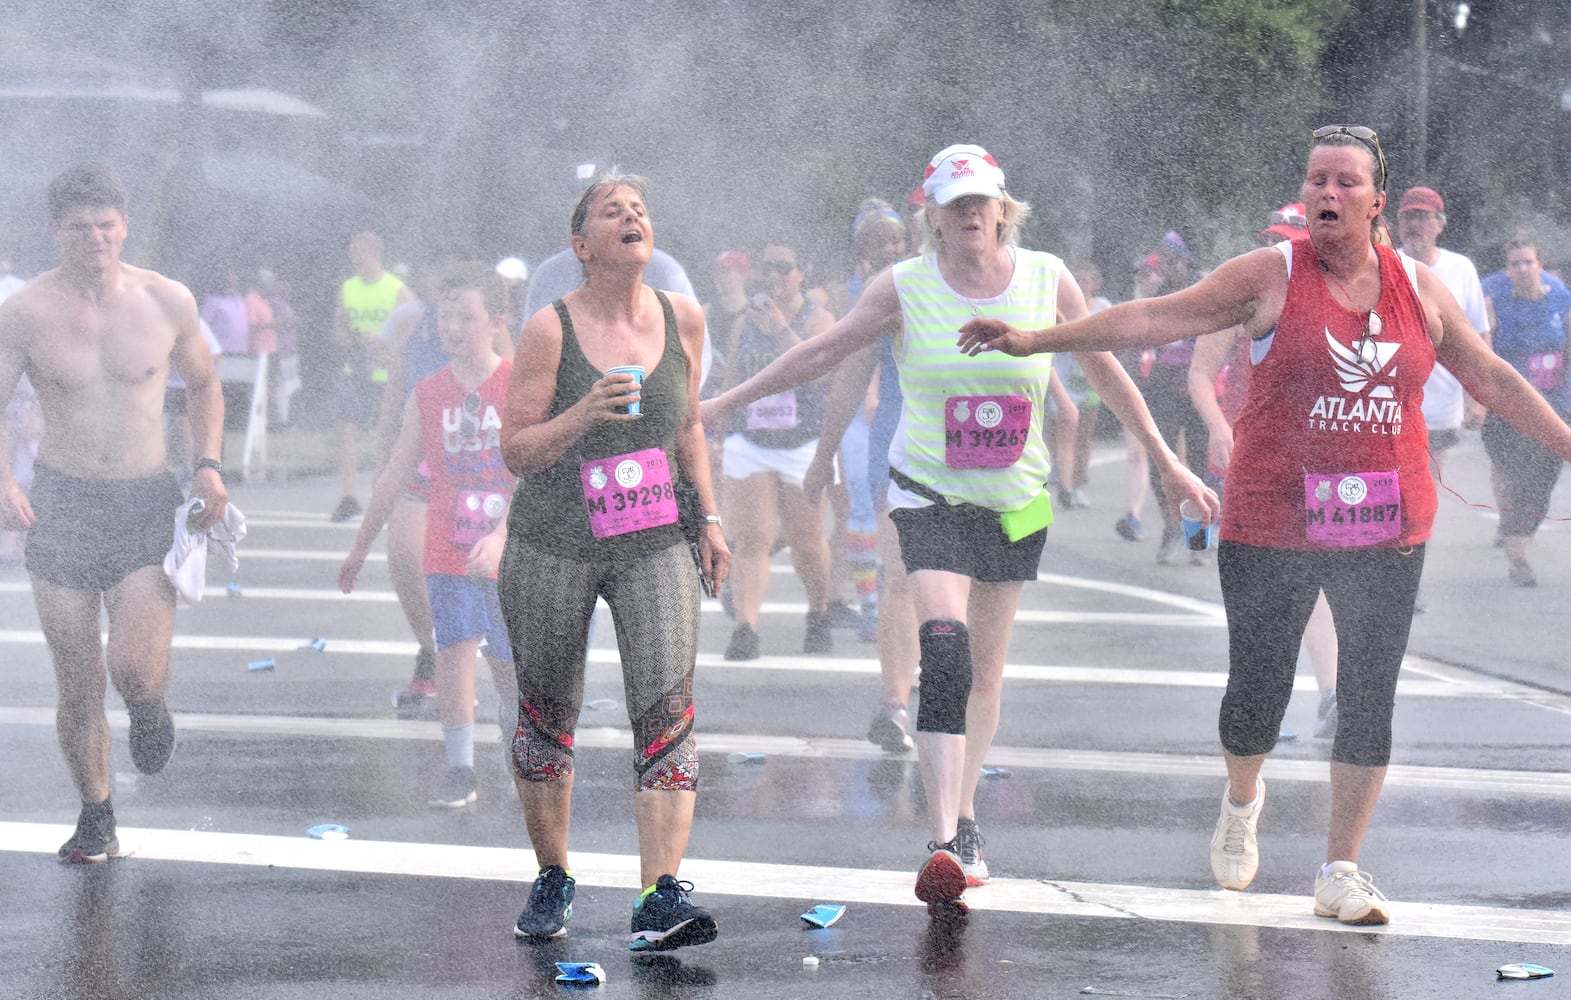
[[1118, 390], [846, 392], [1226, 297], [877, 311]]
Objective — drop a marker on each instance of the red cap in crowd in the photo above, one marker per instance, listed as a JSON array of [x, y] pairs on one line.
[[1422, 199]]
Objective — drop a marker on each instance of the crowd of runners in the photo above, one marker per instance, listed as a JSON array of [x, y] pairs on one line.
[[906, 431]]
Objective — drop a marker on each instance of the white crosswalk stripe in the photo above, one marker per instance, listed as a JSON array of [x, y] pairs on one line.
[[786, 882]]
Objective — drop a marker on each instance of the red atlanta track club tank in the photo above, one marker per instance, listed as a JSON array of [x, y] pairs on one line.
[[1331, 448]]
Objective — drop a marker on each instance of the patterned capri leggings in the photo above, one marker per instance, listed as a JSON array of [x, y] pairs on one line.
[[1268, 594], [654, 600]]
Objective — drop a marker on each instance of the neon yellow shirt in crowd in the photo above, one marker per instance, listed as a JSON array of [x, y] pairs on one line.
[[368, 305]]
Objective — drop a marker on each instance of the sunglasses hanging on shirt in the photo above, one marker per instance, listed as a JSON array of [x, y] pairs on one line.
[[1368, 350]]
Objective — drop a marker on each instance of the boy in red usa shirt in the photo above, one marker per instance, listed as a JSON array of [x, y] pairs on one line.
[[452, 424]]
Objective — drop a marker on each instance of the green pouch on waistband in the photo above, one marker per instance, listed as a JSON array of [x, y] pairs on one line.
[[1028, 520]]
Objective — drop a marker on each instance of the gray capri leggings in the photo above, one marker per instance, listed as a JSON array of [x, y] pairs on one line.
[[654, 600], [1268, 594]]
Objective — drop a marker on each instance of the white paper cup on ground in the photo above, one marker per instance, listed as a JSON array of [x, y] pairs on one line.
[[636, 408]]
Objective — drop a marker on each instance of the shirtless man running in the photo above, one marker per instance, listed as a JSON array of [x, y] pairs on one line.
[[97, 337]]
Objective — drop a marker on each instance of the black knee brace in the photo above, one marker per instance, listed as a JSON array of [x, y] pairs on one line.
[[946, 676]]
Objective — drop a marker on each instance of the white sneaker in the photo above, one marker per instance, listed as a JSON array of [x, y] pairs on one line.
[[1235, 856], [1350, 896]]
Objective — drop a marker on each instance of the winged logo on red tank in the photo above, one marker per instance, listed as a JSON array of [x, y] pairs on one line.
[[1374, 374]]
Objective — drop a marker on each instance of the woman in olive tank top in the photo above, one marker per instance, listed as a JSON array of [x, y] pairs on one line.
[[601, 429]]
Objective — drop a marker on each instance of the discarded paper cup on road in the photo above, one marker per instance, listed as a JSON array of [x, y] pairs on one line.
[[582, 973], [824, 914], [328, 831], [1523, 970]]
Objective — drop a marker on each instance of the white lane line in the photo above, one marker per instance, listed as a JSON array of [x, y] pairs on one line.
[[1065, 674], [1024, 616], [1482, 781], [286, 519], [1485, 686], [1209, 609], [758, 880], [249, 551]]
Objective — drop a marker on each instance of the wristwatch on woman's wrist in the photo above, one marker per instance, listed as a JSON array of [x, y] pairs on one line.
[[713, 519], [208, 463]]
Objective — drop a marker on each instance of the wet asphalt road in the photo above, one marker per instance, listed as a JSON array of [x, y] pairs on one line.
[[1097, 835]]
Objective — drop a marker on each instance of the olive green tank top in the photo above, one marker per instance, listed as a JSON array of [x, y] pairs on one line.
[[551, 509]]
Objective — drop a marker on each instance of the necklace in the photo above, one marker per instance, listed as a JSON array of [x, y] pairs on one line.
[[1337, 282], [1367, 349]]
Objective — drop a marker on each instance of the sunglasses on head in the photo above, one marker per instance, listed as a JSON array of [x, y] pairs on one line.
[[777, 267], [1363, 134]]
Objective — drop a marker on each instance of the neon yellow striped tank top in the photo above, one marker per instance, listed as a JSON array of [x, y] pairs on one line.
[[934, 375]]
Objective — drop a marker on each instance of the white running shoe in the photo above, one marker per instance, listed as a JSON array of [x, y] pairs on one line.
[[1350, 895], [1235, 855]]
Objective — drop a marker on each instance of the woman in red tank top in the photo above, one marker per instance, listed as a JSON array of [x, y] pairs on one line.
[[1329, 487]]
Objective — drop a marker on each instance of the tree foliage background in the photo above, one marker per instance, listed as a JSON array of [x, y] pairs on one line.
[[457, 124]]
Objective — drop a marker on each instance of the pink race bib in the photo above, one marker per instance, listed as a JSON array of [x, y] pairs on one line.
[[1546, 370], [985, 432], [628, 492], [773, 413], [476, 515], [1352, 510]]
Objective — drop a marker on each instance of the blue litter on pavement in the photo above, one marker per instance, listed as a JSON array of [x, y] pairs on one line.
[[747, 758], [257, 666], [328, 831], [318, 644], [824, 914], [995, 772], [1523, 970], [234, 588], [580, 973]]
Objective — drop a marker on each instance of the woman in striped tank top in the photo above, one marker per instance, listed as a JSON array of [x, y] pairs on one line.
[[969, 469]]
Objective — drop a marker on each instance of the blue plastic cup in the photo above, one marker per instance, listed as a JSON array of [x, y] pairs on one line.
[[636, 407], [1197, 534]]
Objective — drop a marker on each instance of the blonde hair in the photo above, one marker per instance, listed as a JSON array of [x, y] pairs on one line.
[[1379, 229], [1015, 214]]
